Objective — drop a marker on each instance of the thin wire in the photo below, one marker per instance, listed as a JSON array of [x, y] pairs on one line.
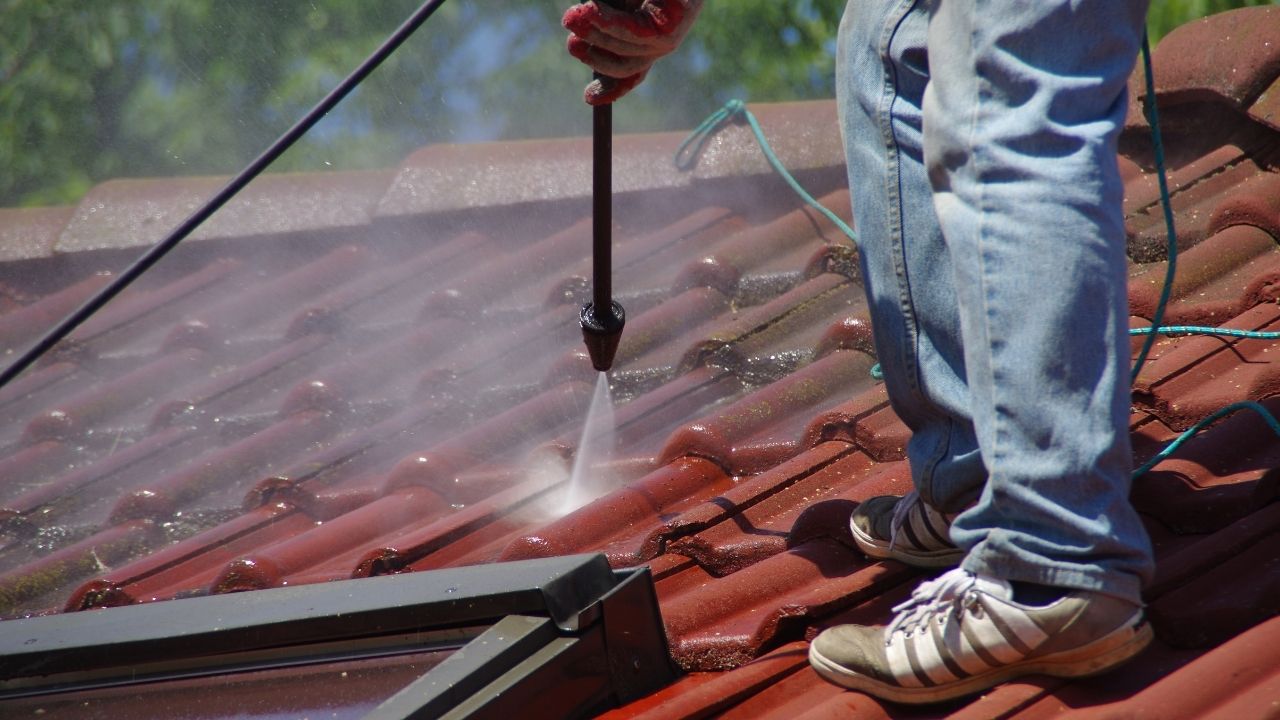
[[1153, 119], [178, 234], [1234, 407], [1200, 330], [691, 148], [1166, 203]]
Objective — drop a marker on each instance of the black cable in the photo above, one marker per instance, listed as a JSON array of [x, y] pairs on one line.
[[283, 143]]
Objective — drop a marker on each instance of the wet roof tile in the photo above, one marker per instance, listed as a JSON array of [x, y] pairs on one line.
[[402, 388], [718, 623]]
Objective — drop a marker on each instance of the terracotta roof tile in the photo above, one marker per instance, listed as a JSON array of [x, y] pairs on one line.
[[1266, 109], [1197, 375], [137, 213], [752, 434], [1236, 679], [718, 623], [22, 326], [448, 178], [1231, 58], [401, 387], [632, 524], [772, 525], [27, 233]]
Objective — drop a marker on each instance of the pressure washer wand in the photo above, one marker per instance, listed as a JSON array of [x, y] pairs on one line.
[[602, 331], [602, 318]]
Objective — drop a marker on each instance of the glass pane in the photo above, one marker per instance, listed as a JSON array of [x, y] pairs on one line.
[[347, 689]]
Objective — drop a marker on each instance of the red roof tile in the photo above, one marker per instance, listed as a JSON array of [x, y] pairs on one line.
[[1231, 59], [401, 386], [27, 233]]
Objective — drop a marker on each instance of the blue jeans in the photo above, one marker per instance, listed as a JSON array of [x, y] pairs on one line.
[[981, 143]]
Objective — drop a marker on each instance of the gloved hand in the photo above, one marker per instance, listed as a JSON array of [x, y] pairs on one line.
[[621, 45]]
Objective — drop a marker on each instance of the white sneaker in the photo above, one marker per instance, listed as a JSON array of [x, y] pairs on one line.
[[962, 633]]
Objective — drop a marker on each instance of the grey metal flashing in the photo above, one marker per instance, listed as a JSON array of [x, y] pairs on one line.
[[560, 680], [546, 619], [508, 643]]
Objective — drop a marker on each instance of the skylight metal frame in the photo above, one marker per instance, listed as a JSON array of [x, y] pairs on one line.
[[567, 633]]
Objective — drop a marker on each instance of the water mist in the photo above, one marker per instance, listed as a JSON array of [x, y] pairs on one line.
[[594, 447]]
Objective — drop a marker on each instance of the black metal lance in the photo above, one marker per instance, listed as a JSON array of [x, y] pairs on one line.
[[602, 319]]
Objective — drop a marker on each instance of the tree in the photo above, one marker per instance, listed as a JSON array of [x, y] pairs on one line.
[[90, 91]]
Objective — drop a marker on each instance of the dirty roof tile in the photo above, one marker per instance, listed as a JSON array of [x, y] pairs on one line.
[[191, 563], [725, 436], [1216, 280], [137, 213], [718, 623], [446, 178], [22, 326], [775, 523], [1204, 373], [705, 693], [1230, 58], [403, 388], [30, 233], [623, 522]]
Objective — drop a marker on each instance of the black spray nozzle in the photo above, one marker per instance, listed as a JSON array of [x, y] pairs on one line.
[[601, 334]]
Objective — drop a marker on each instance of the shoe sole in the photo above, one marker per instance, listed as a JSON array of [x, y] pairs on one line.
[[1096, 657], [878, 549]]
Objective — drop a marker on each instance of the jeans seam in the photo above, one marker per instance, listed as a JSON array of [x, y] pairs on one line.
[[893, 182], [911, 347], [998, 438]]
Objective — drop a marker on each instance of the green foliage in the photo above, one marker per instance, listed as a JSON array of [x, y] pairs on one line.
[[90, 91], [121, 88], [1165, 15]]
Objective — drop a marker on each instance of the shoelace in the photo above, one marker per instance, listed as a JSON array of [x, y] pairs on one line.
[[947, 594]]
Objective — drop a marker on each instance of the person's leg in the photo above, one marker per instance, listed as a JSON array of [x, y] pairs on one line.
[[1020, 123], [1020, 116], [882, 72]]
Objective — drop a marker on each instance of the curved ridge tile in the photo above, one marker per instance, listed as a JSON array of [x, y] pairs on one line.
[[721, 623], [718, 437], [1203, 374], [57, 570], [1230, 57], [625, 517], [275, 565]]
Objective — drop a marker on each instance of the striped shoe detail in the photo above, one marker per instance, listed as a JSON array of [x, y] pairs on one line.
[[961, 634], [955, 627], [923, 527], [905, 529]]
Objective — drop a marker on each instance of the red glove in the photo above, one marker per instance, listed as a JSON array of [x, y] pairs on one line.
[[621, 45]]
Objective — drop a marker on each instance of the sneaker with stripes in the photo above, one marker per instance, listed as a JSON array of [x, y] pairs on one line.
[[963, 633], [904, 529]]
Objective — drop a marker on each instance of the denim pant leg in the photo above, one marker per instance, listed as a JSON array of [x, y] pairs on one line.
[[1021, 117], [882, 71]]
